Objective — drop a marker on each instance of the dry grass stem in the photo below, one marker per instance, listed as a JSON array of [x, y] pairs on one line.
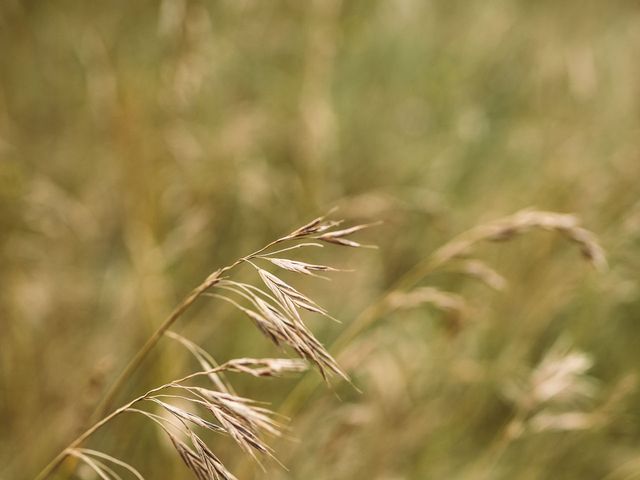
[[406, 291], [518, 224], [276, 311]]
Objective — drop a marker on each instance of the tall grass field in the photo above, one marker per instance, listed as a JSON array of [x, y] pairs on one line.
[[323, 239]]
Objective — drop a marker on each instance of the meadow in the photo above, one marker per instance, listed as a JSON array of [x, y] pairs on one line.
[[491, 149]]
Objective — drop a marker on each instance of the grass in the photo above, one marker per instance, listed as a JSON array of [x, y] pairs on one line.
[[275, 310], [142, 144]]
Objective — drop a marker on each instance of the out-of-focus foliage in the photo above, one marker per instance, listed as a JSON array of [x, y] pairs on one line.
[[143, 144]]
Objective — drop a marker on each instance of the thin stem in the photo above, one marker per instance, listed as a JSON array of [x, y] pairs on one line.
[[138, 358], [155, 337], [57, 461], [151, 342], [499, 446], [303, 389]]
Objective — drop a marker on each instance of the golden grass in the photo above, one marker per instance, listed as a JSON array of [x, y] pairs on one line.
[[276, 312], [143, 143]]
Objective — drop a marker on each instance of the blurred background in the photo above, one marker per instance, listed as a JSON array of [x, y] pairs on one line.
[[144, 144]]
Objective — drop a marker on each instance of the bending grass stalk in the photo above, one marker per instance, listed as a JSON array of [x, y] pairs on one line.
[[307, 384], [57, 461], [318, 229], [138, 358], [502, 229]]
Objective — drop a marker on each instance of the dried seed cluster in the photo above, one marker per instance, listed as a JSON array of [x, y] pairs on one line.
[[455, 256], [523, 222], [276, 309]]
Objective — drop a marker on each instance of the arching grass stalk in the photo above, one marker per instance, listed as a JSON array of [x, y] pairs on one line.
[[276, 310], [459, 248]]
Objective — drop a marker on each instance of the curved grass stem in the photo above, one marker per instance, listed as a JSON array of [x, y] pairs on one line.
[[135, 362]]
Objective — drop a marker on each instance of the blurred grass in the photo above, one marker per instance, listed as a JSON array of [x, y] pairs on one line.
[[143, 144]]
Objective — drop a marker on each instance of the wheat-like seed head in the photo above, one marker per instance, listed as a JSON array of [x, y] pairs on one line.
[[453, 257], [518, 224], [276, 310]]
